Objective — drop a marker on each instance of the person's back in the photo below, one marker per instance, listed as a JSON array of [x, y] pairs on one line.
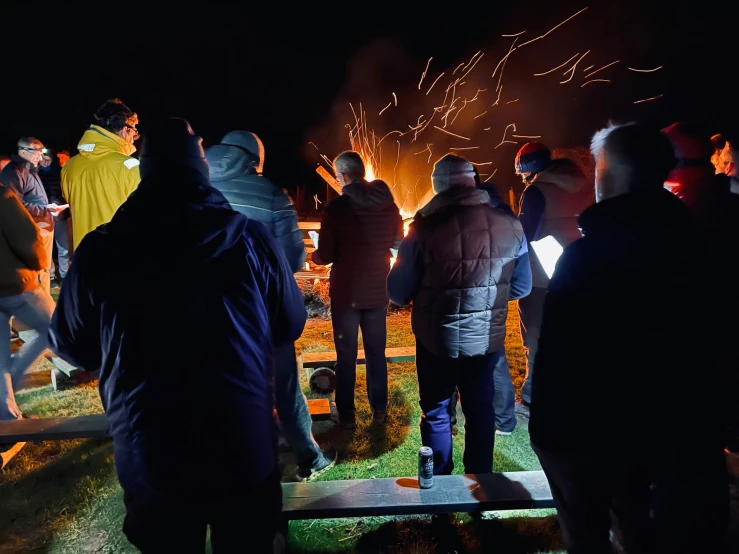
[[98, 180], [183, 373], [235, 170]]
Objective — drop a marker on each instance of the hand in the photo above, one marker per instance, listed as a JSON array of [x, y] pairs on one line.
[[314, 237], [55, 209], [394, 252]]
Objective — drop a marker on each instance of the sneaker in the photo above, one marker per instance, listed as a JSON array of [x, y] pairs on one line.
[[379, 417], [503, 433], [523, 409], [347, 422], [326, 462]]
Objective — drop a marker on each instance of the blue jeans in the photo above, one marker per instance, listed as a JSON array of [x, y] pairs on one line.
[[504, 400], [474, 377], [346, 323], [62, 247], [292, 409]]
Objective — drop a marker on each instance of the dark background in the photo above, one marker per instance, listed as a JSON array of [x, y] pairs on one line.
[[290, 76]]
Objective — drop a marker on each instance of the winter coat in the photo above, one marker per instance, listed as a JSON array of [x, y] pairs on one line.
[[23, 180]]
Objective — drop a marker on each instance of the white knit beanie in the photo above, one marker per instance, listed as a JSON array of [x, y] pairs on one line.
[[452, 171]]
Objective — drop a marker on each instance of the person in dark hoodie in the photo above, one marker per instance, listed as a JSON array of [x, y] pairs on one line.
[[623, 326], [236, 166], [457, 265], [191, 418], [556, 193], [357, 231]]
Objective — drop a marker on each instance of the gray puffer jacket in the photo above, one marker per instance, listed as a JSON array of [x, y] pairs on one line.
[[233, 171]]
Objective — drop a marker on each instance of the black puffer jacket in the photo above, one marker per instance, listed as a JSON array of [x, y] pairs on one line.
[[357, 232], [233, 173]]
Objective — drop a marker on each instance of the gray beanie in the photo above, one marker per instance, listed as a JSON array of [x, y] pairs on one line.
[[452, 171]]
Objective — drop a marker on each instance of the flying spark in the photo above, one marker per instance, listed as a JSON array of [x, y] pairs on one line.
[[502, 142], [600, 69], [553, 28], [314, 145], [424, 72], [595, 81], [648, 99], [432, 84], [573, 69], [645, 70], [465, 148], [558, 67], [512, 101], [481, 163], [526, 136], [511, 36], [480, 115], [396, 99], [589, 68], [450, 133], [491, 175], [385, 108]]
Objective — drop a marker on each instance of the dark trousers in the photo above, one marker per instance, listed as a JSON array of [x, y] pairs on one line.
[[504, 400], [243, 520], [531, 312], [662, 501], [346, 324], [437, 380]]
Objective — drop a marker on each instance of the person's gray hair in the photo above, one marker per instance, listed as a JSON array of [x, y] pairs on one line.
[[640, 155], [30, 142], [350, 163]]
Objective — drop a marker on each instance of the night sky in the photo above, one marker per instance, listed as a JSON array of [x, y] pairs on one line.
[[292, 82]]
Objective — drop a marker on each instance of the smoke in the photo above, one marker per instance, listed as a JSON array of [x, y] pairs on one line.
[[483, 106]]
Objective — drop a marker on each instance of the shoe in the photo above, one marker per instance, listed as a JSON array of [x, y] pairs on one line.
[[348, 422], [326, 462], [523, 409], [503, 433], [379, 417]]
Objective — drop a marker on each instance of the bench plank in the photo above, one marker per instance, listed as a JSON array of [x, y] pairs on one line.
[[519, 490], [95, 425], [328, 358]]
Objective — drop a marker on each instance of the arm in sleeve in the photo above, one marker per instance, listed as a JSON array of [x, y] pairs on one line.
[[521, 280], [132, 177], [531, 213], [74, 333], [398, 232], [325, 253], [13, 182], [287, 232], [21, 233], [407, 272], [284, 298]]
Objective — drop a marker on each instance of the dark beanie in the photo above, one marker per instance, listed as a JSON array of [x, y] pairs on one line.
[[452, 171], [172, 144], [532, 157]]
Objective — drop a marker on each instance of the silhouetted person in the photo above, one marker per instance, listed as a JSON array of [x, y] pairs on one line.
[[626, 341], [185, 364]]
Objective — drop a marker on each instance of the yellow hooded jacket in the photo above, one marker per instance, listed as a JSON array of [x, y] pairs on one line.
[[98, 180]]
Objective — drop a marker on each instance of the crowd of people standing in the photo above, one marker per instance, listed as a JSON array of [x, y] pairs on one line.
[[620, 323]]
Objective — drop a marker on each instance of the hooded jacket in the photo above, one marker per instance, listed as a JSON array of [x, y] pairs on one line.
[[214, 328], [234, 171], [98, 180], [550, 205], [358, 230], [457, 264], [22, 253], [22, 178]]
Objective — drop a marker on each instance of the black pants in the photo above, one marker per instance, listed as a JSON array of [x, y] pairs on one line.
[[666, 500], [248, 520], [346, 323]]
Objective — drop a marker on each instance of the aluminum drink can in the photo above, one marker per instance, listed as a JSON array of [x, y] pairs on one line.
[[425, 467]]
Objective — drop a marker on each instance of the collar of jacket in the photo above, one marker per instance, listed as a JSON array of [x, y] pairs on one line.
[[124, 146], [460, 195], [17, 160]]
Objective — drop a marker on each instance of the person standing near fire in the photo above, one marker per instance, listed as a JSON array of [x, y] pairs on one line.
[[21, 177], [236, 166], [50, 173], [556, 193], [100, 178], [357, 231], [457, 265]]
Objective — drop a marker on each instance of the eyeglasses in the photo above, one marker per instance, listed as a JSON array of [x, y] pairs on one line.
[[135, 131], [40, 150]]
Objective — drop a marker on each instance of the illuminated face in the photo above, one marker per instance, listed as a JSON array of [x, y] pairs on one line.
[[62, 157], [33, 153], [340, 178], [130, 131], [601, 177]]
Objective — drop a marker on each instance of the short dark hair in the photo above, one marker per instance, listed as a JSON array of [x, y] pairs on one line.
[[644, 153], [350, 163], [114, 115]]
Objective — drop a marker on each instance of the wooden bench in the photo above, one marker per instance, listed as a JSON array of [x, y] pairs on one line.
[[95, 425], [519, 490], [313, 360]]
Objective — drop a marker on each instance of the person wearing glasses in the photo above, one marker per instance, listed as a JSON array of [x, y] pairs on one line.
[[100, 178], [21, 177]]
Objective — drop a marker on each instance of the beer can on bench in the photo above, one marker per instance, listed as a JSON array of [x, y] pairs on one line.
[[425, 467]]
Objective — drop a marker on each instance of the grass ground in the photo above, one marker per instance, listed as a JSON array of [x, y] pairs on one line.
[[63, 497]]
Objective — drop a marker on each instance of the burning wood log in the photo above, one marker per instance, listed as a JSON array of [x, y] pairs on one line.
[[328, 178]]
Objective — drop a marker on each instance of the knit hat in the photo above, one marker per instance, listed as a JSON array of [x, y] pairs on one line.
[[170, 145], [451, 171], [533, 157], [692, 146], [247, 141]]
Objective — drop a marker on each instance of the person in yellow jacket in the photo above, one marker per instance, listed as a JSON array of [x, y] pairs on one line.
[[103, 174]]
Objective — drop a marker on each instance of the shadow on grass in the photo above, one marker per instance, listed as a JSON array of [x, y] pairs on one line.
[[41, 501], [476, 535]]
